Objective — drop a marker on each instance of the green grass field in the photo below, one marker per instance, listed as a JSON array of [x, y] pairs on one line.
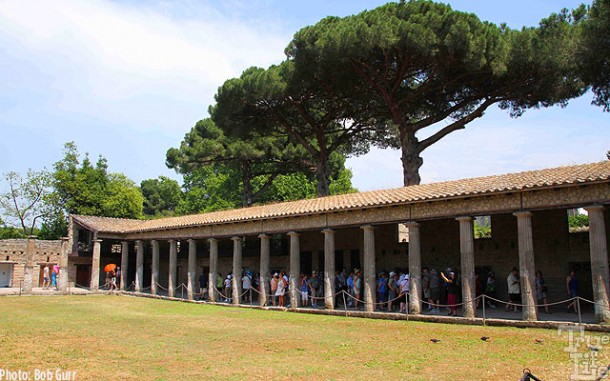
[[125, 338]]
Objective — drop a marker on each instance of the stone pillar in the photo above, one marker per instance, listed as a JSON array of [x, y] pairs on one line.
[[369, 268], [237, 267], [95, 265], [526, 265], [124, 266], [295, 268], [414, 268], [154, 276], [329, 268], [139, 265], [264, 269], [192, 265], [62, 282], [28, 273], [173, 259], [467, 265], [599, 262], [213, 267]]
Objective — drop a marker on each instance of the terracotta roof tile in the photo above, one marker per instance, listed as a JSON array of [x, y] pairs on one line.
[[584, 173]]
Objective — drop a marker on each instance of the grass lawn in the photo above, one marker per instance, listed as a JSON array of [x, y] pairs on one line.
[[105, 337]]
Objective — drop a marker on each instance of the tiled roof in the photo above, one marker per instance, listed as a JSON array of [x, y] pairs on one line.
[[561, 176]]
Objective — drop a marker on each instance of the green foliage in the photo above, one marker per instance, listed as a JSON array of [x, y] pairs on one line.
[[593, 54], [9, 232], [82, 188], [417, 64], [53, 227], [24, 203], [161, 196], [578, 221]]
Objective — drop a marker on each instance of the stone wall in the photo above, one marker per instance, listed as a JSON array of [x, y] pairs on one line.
[[13, 252]]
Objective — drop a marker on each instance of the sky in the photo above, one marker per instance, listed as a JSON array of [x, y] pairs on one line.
[[127, 79]]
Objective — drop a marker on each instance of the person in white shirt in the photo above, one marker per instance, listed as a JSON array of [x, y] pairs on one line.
[[514, 290]]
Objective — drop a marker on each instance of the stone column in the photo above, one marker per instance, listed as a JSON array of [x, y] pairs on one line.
[[139, 265], [414, 268], [62, 282], [154, 276], [213, 267], [124, 266], [599, 262], [173, 259], [28, 273], [369, 268], [329, 268], [264, 268], [192, 264], [237, 267], [467, 265], [526, 265], [295, 268], [95, 265]]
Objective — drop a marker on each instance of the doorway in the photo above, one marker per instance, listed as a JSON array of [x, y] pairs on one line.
[[6, 274]]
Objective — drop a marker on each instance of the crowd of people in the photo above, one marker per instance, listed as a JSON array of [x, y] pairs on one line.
[[439, 289]]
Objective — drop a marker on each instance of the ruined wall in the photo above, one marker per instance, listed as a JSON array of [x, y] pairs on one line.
[[12, 252]]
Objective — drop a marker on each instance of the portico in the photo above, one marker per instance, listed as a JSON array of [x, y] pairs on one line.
[[528, 214]]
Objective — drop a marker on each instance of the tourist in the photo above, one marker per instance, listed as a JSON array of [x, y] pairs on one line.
[[246, 284], [514, 290], [350, 288], [203, 285], [54, 273], [425, 284], [112, 275], [287, 299], [382, 290], [393, 290], [541, 290], [281, 288], [304, 290], [404, 292], [435, 291], [314, 287], [478, 288], [357, 287], [46, 280], [339, 286], [452, 292], [572, 287], [118, 276], [228, 288], [273, 286], [490, 288]]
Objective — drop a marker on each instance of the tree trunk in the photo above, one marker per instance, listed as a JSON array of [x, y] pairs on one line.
[[411, 157], [246, 178], [322, 174]]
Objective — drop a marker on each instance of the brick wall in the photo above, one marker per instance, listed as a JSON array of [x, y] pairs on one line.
[[13, 251]]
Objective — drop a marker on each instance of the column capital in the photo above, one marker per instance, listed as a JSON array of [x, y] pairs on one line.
[[414, 224], [190, 240], [522, 214], [264, 236], [464, 219], [293, 234], [367, 227], [96, 240], [153, 242], [212, 240], [65, 239], [236, 238], [328, 231], [594, 208], [31, 237], [172, 241]]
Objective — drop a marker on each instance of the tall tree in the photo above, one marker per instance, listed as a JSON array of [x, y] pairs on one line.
[[161, 196], [421, 64], [281, 101], [253, 157], [24, 203], [593, 54], [82, 188]]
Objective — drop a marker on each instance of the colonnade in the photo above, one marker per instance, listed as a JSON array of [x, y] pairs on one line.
[[598, 252]]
